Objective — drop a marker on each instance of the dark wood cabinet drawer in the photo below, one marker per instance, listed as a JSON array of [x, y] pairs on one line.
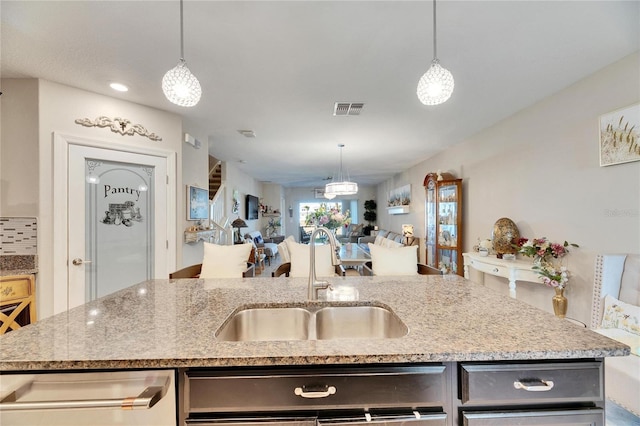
[[531, 383], [583, 417], [206, 391], [415, 419]]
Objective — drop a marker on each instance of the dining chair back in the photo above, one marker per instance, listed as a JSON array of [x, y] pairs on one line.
[[17, 302]]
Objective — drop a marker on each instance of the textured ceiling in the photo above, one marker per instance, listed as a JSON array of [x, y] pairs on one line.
[[277, 68]]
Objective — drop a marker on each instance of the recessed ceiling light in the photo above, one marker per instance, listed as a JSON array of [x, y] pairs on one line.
[[119, 87]]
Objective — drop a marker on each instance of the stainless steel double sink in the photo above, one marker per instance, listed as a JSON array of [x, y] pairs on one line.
[[311, 322]]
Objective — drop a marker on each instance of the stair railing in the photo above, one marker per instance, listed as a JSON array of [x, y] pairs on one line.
[[220, 222]]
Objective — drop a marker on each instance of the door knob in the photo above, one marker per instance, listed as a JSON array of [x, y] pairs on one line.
[[77, 261]]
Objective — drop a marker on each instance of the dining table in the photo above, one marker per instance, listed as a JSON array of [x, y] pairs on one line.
[[353, 256]]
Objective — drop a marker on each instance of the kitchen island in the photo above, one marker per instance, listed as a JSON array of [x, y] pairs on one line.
[[172, 324], [163, 323]]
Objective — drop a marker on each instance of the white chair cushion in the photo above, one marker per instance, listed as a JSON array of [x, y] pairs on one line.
[[394, 260], [284, 251], [225, 261], [300, 257], [273, 247], [270, 248]]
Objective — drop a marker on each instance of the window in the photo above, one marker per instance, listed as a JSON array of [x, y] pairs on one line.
[[331, 214]]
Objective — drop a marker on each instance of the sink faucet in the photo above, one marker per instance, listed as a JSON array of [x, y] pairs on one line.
[[314, 284]]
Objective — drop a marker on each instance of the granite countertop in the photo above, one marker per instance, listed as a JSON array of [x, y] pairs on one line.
[[18, 265], [172, 323]]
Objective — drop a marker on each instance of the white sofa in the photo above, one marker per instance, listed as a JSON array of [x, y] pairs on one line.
[[618, 277]]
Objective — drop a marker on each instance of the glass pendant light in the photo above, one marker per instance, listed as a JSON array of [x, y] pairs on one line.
[[178, 84], [340, 186], [436, 85]]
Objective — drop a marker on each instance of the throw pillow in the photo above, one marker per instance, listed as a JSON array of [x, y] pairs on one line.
[[300, 256], [225, 261], [394, 260], [620, 315], [259, 239]]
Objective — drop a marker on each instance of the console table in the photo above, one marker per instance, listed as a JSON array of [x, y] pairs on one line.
[[513, 270]]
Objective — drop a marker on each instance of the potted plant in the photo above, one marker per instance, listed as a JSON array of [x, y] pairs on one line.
[[369, 215]]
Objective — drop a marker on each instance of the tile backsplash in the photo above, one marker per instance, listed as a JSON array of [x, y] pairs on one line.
[[18, 235]]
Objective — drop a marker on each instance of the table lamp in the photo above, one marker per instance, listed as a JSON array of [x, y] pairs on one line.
[[238, 223]]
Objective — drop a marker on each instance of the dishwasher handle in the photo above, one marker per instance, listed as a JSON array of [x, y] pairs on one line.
[[144, 401]]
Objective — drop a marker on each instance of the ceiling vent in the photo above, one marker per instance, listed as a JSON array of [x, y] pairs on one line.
[[347, 108], [247, 133]]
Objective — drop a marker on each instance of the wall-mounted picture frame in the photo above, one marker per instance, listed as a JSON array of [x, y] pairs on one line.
[[197, 203], [620, 136], [400, 196]]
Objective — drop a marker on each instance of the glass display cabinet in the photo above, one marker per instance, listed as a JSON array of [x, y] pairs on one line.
[[443, 222]]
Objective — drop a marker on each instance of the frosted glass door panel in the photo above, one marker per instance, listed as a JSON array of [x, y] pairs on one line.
[[119, 226], [117, 221]]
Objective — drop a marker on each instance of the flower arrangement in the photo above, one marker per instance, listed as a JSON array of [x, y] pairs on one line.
[[331, 218], [545, 256]]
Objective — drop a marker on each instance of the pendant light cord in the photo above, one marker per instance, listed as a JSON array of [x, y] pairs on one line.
[[435, 48], [341, 175], [181, 34]]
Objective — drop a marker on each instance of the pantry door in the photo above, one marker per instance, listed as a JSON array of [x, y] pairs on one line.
[[116, 221]]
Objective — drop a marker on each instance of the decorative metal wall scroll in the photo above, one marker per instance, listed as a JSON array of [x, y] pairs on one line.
[[118, 125]]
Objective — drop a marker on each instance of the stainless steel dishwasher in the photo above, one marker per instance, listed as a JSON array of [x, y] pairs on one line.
[[318, 395], [105, 398]]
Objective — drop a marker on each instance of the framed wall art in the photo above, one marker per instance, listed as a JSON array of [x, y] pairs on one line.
[[400, 196], [620, 136], [197, 203]]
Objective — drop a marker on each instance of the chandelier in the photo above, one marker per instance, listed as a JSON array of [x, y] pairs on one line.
[[178, 84], [436, 85], [340, 186]]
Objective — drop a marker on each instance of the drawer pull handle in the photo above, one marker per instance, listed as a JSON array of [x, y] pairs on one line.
[[534, 385], [315, 392]]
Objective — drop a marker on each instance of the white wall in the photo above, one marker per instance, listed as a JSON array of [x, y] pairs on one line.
[[273, 197], [195, 171], [53, 108], [19, 173], [540, 167], [235, 179]]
